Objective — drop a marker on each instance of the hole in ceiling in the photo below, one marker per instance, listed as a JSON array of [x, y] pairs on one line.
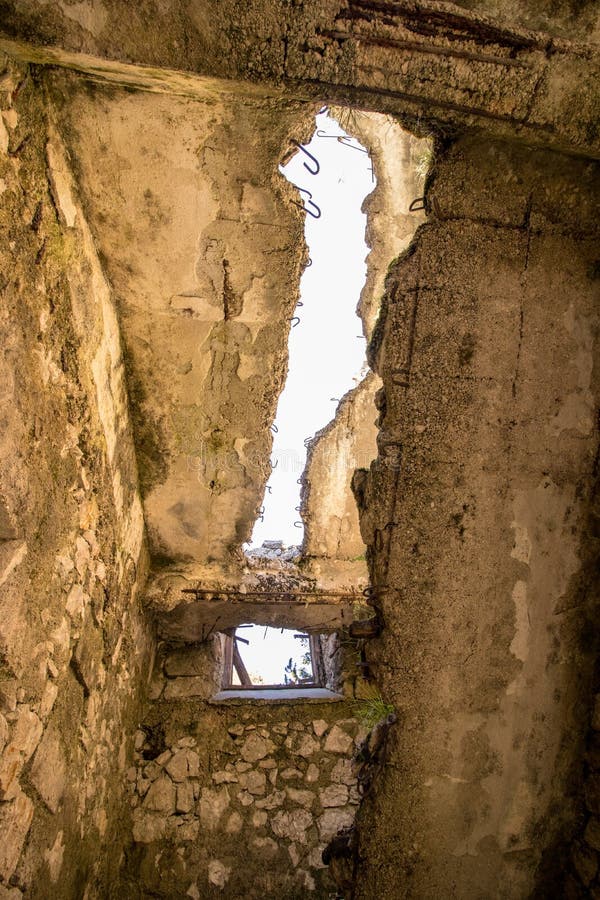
[[326, 348]]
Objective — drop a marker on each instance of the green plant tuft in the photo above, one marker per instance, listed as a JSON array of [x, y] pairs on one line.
[[372, 710]]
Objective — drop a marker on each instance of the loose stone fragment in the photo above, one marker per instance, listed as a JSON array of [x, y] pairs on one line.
[[148, 826], [312, 774], [218, 873], [161, 796], [236, 730], [185, 798], [234, 823], [342, 772], [15, 821], [334, 795], [212, 805], [256, 747], [303, 798], [289, 774], [337, 741], [320, 726], [48, 699], [254, 782], [292, 825], [224, 777], [332, 821], [274, 800], [76, 602]]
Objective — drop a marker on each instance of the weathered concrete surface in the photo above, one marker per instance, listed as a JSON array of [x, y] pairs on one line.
[[424, 60], [476, 517], [73, 643], [285, 597], [204, 250]]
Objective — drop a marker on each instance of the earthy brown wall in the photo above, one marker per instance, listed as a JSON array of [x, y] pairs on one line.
[[477, 521], [73, 646]]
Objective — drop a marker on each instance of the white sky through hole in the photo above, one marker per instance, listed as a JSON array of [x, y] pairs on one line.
[[326, 352], [268, 653]]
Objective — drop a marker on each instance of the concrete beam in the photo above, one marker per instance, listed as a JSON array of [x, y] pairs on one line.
[[432, 63]]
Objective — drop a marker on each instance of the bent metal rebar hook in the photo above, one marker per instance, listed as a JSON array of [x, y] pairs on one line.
[[317, 167], [315, 215], [418, 204], [342, 139]]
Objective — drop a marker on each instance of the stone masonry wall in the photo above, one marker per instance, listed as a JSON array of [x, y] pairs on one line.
[[239, 799], [73, 645]]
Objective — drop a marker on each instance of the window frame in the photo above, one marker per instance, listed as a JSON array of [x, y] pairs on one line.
[[232, 658]]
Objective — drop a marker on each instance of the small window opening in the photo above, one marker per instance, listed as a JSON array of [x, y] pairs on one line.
[[262, 657]]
